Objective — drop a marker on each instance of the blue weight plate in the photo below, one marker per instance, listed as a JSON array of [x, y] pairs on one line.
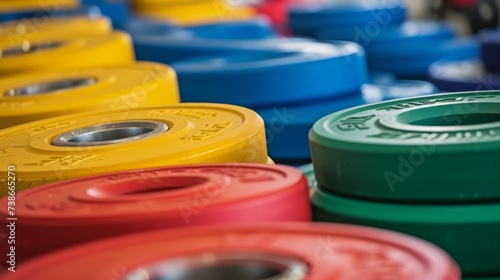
[[138, 26], [490, 48], [463, 75], [291, 72], [287, 127], [91, 11], [239, 30], [118, 11], [381, 77], [410, 65], [382, 91], [306, 19], [174, 44], [391, 39]]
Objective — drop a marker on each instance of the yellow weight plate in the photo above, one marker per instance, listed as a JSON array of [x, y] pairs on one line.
[[40, 95], [197, 12], [94, 143], [63, 51], [137, 3], [270, 161], [48, 6], [23, 29]]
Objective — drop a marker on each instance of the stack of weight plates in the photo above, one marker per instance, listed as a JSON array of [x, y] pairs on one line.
[[82, 100], [41, 95], [112, 204], [124, 138], [423, 166], [296, 251], [472, 72], [15, 9], [187, 12], [28, 45], [164, 42], [392, 44], [284, 81]]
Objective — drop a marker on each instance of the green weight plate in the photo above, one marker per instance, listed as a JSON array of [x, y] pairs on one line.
[[468, 232], [436, 148]]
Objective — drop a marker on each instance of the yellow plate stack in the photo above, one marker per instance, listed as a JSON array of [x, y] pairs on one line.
[[189, 12]]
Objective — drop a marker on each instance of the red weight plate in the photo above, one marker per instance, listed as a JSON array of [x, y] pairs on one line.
[[70, 212], [462, 3], [297, 251]]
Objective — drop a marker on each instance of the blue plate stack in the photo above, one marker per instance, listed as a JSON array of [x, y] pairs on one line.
[[469, 73], [392, 43], [290, 82]]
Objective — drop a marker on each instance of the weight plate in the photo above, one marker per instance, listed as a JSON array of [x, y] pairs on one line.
[[141, 26], [276, 11], [87, 209], [287, 126], [490, 46], [7, 6], [171, 2], [118, 11], [293, 72], [63, 51], [308, 18], [376, 38], [167, 45], [94, 143], [412, 149], [47, 10], [381, 77], [415, 65], [461, 3], [463, 75], [255, 29], [468, 232], [23, 29], [386, 90], [197, 12], [41, 95], [282, 251]]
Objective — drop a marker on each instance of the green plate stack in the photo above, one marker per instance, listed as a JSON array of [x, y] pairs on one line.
[[425, 166]]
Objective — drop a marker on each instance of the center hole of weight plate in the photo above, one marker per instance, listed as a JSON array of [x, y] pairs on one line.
[[49, 87], [27, 47], [110, 133], [144, 186], [452, 115], [460, 116], [225, 266], [458, 119]]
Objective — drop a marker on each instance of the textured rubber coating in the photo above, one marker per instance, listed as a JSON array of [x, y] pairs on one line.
[[329, 252], [72, 212], [396, 150]]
